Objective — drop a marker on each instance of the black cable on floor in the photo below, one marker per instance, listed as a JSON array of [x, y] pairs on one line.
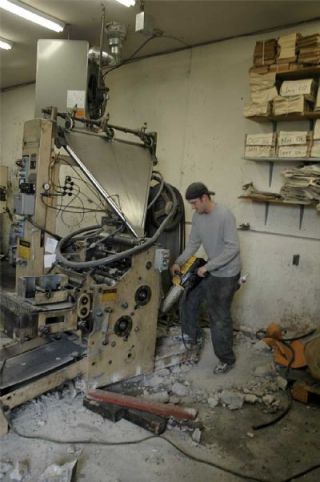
[[289, 405], [300, 474], [279, 417], [179, 449], [132, 442]]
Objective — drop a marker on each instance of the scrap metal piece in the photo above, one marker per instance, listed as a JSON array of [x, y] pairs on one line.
[[153, 423], [43, 359], [127, 401]]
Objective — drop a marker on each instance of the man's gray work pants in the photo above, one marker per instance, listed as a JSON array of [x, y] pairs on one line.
[[217, 293]]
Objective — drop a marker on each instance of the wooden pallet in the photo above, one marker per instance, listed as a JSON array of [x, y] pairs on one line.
[[306, 392]]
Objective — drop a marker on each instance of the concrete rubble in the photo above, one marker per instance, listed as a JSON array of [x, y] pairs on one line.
[[59, 473], [263, 388], [224, 399], [5, 468], [20, 470]]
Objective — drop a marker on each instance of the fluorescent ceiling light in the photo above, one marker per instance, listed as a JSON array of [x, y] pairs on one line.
[[5, 44], [127, 3], [28, 13]]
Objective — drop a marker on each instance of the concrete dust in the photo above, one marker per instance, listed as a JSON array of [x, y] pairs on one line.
[[222, 434]]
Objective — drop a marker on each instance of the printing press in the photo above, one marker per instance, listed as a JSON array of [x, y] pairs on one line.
[[86, 303]]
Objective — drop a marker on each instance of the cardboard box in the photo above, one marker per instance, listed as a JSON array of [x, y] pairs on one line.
[[252, 109], [252, 152], [316, 129], [315, 149], [289, 105], [261, 139], [293, 151], [305, 87], [263, 96], [293, 138]]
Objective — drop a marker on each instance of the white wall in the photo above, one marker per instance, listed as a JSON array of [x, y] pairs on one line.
[[194, 100]]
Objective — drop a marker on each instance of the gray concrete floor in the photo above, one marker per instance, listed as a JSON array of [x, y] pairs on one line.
[[228, 441], [271, 454]]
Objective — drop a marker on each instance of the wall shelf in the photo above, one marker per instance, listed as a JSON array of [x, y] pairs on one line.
[[283, 159], [287, 117], [267, 201], [301, 73], [275, 201]]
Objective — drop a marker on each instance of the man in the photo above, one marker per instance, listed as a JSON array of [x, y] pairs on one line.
[[213, 226]]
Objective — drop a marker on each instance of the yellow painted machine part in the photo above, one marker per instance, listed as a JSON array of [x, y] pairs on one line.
[[184, 268]]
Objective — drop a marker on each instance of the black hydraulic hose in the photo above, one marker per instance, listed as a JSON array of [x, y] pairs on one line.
[[289, 404], [158, 177], [260, 334], [61, 259]]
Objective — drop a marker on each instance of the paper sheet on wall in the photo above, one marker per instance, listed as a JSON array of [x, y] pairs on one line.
[[76, 97], [50, 245], [49, 259]]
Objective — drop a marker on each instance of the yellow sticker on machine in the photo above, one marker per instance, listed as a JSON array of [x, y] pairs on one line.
[[24, 249], [110, 295]]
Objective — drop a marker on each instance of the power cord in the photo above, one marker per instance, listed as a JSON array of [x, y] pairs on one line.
[[145, 439], [290, 400]]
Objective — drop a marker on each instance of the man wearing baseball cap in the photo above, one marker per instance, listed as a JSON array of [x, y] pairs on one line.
[[213, 227]]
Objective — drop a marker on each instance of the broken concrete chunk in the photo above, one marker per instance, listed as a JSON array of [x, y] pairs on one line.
[[267, 370], [180, 389], [261, 346], [161, 397], [80, 385], [20, 470], [153, 381], [174, 400], [233, 400], [196, 435], [213, 402], [5, 467], [250, 398], [281, 382], [59, 473], [165, 372], [268, 399]]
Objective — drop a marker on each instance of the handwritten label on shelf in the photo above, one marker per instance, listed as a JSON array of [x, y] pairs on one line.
[[297, 87], [293, 151], [259, 151], [260, 139], [292, 138]]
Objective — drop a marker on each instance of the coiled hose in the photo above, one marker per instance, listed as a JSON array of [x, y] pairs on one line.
[[61, 259]]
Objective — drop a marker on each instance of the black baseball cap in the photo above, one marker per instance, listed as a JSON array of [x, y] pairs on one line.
[[196, 190]]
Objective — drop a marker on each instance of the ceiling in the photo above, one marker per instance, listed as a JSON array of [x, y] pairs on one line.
[[183, 22]]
